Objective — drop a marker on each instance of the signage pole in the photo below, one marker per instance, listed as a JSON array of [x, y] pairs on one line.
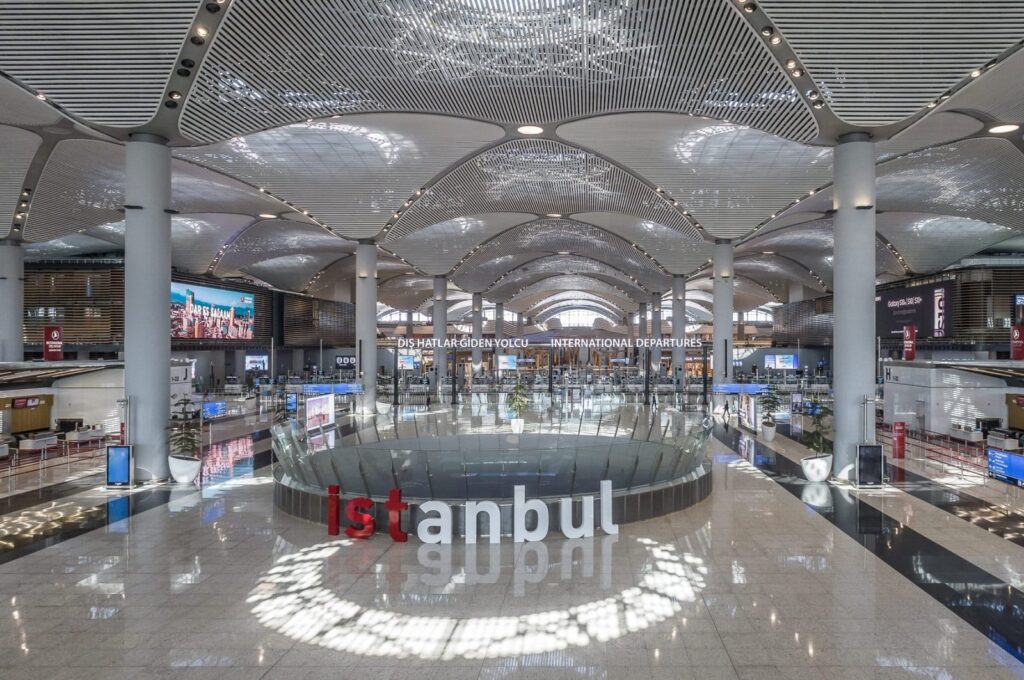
[[647, 377], [704, 375], [551, 372], [455, 377], [394, 379]]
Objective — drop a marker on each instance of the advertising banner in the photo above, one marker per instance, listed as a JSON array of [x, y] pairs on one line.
[[909, 342], [507, 362], [202, 312], [53, 343], [1017, 343], [899, 439], [927, 308]]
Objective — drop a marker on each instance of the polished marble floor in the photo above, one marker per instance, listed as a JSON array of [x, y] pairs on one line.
[[751, 583]]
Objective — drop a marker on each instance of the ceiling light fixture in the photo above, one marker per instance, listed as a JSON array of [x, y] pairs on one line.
[[1003, 129], [554, 214], [530, 129], [268, 216]]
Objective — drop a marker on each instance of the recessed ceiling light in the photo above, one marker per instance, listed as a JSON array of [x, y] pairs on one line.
[[554, 214], [268, 216], [530, 129], [202, 31], [565, 252], [767, 252], [975, 73], [1002, 129]]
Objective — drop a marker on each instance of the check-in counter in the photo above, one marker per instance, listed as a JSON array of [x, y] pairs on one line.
[[38, 442], [5, 451], [966, 434], [1003, 439], [85, 435]]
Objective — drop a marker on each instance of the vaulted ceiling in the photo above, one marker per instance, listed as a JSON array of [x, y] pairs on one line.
[[657, 127]]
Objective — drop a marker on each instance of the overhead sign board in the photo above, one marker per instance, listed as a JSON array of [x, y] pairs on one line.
[[928, 308], [53, 343]]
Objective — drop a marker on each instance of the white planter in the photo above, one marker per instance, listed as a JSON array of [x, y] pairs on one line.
[[184, 469], [767, 432], [517, 425], [817, 468]]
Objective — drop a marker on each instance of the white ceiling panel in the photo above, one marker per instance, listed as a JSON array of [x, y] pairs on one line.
[[729, 177], [107, 61], [557, 265], [541, 290], [19, 148], [291, 272], [932, 242], [514, 63], [353, 172], [996, 93], [82, 186], [18, 107], [72, 245], [277, 238], [439, 247], [881, 62], [542, 177], [676, 254], [932, 130], [406, 293], [747, 294]]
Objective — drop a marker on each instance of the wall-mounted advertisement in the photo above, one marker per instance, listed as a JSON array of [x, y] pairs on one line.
[[508, 362], [748, 411], [202, 312], [258, 362], [319, 412], [928, 308], [782, 362], [407, 362]]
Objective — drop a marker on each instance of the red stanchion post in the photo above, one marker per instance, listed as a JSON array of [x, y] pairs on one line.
[[333, 510], [899, 439]]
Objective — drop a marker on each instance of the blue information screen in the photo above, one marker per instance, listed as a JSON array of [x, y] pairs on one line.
[[291, 402], [739, 388], [119, 465], [348, 388], [213, 409], [1006, 466]]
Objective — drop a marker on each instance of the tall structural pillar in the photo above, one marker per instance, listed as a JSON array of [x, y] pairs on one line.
[[854, 298], [408, 324], [656, 332], [366, 322], [499, 323], [12, 298], [678, 326], [147, 286], [440, 323], [478, 332], [722, 326]]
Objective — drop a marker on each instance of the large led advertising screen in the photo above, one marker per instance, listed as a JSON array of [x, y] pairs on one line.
[[201, 312], [930, 308]]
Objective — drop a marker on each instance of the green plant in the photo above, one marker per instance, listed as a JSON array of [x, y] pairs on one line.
[[184, 435], [518, 400], [817, 440], [770, 403]]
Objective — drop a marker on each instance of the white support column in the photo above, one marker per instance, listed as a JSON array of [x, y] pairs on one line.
[[722, 306], [12, 300], [678, 325], [655, 332], [147, 285], [854, 298], [499, 321], [478, 332], [519, 324], [642, 322], [440, 324], [408, 324], [366, 323]]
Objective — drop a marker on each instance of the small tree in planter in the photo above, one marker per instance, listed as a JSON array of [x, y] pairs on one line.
[[818, 467], [185, 439], [518, 403], [770, 403]]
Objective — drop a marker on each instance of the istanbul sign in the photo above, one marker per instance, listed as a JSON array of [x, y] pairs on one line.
[[556, 343]]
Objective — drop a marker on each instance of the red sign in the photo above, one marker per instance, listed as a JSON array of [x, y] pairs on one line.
[[53, 343], [909, 342], [1017, 343], [899, 439]]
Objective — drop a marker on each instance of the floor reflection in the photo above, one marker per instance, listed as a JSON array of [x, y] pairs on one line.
[[309, 596]]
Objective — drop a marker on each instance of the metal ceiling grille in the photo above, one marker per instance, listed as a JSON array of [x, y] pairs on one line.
[[406, 293], [536, 292], [728, 176], [542, 177], [880, 62], [997, 93], [351, 173], [439, 247], [512, 63], [106, 61], [278, 238], [18, 107], [558, 265]]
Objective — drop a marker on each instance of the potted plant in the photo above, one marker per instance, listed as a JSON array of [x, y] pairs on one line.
[[185, 439], [818, 467], [518, 403], [770, 403]]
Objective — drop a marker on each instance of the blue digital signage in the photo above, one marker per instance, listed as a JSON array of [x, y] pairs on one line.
[[1006, 466], [739, 388], [214, 409], [119, 465]]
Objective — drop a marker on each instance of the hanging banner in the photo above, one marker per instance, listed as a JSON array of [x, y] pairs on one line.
[[899, 439], [53, 343], [1017, 343], [909, 342]]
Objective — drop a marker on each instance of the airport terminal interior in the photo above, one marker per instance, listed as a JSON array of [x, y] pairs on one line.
[[487, 339]]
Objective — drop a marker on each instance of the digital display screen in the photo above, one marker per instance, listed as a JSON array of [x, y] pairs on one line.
[[748, 411], [508, 362], [291, 402], [317, 388], [929, 308], [346, 362], [620, 360], [1006, 466], [738, 388], [119, 465], [348, 388], [319, 412], [202, 312], [258, 362], [407, 362], [782, 362], [214, 409]]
